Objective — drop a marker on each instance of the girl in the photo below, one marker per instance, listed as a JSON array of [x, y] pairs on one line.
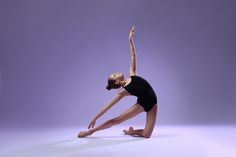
[[134, 85]]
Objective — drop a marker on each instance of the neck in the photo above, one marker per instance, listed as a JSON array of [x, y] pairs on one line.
[[123, 82]]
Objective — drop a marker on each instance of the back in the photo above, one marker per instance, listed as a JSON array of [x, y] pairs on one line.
[[140, 88]]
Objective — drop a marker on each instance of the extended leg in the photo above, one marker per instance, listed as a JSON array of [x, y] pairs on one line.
[[131, 112]]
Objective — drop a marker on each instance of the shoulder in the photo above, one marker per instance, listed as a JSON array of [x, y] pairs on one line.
[[133, 75]]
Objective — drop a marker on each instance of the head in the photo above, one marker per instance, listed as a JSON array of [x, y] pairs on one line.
[[114, 81]]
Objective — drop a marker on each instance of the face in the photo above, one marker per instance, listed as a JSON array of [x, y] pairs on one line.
[[116, 76]]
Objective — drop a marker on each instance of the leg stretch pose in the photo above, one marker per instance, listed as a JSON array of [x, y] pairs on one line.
[[150, 124], [136, 86]]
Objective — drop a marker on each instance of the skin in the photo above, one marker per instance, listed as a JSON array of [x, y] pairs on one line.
[[132, 111]]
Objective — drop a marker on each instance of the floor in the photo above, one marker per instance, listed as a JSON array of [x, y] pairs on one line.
[[166, 141]]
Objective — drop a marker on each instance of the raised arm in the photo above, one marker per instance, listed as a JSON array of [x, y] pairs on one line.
[[132, 70], [116, 99]]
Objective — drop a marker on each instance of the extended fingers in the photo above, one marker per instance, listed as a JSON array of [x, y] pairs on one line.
[[90, 125], [133, 29]]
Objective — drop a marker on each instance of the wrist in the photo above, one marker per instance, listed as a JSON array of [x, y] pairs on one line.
[[94, 119]]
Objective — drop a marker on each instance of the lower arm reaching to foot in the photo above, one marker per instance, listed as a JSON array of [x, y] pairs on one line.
[[103, 126]]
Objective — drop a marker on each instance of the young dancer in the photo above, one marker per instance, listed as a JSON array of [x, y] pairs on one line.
[[133, 85]]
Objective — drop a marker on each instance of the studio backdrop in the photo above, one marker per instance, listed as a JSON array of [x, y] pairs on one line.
[[56, 56]]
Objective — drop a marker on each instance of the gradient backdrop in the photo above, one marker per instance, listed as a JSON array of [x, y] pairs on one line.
[[56, 55]]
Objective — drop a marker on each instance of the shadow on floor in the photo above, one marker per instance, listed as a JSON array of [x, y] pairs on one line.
[[71, 146], [76, 145], [165, 135]]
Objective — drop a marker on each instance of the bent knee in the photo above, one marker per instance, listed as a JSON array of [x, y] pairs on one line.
[[146, 134]]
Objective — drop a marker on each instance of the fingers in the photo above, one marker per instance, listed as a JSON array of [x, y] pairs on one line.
[[133, 28], [91, 125], [132, 32]]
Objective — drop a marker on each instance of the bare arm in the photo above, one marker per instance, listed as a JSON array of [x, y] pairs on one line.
[[132, 70], [109, 105], [116, 99]]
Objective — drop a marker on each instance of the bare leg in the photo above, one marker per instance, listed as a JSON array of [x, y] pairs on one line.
[[150, 124], [131, 112]]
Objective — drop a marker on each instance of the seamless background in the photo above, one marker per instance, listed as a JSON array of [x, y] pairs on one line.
[[56, 55]]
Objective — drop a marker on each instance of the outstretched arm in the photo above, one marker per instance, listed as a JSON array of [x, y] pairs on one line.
[[116, 99], [132, 70]]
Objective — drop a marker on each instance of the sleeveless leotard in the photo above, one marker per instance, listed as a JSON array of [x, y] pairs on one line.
[[145, 94]]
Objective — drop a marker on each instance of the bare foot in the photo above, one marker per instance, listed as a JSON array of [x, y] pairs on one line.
[[129, 132], [84, 133]]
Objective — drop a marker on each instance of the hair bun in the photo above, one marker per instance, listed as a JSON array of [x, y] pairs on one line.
[[108, 87]]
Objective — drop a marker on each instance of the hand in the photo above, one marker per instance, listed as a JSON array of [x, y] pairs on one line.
[[91, 124], [131, 33]]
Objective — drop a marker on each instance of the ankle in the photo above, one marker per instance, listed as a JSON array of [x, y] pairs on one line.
[[131, 132], [90, 132]]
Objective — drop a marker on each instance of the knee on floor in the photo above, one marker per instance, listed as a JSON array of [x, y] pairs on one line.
[[146, 135]]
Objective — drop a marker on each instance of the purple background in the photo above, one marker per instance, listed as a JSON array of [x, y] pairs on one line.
[[56, 55]]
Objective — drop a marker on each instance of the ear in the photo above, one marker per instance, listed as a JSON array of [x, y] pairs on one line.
[[117, 82]]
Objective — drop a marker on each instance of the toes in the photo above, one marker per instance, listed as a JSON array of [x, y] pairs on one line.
[[126, 131], [82, 134], [79, 136]]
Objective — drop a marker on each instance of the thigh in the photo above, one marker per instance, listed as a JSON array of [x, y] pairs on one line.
[[150, 120], [131, 112]]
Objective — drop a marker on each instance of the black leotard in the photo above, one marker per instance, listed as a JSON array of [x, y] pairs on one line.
[[142, 89]]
